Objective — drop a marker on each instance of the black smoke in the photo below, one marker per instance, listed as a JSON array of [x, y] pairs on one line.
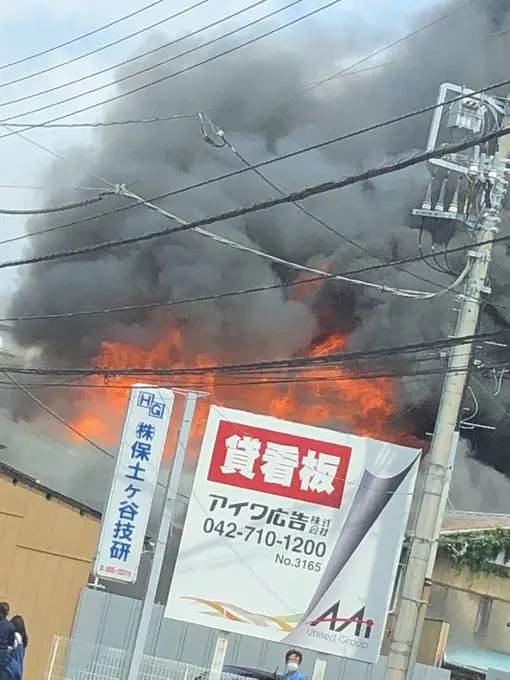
[[253, 95]]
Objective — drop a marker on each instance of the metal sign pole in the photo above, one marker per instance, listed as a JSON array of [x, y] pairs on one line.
[[134, 661]]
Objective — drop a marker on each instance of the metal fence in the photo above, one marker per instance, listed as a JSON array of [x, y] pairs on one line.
[[79, 660], [107, 622], [73, 659]]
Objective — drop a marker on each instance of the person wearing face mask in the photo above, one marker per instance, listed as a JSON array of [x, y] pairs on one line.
[[293, 660]]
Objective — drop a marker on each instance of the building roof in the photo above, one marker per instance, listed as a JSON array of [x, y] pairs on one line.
[[42, 450], [475, 658], [457, 522], [19, 477]]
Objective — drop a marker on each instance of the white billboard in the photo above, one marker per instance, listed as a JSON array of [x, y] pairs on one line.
[[293, 534], [134, 481]]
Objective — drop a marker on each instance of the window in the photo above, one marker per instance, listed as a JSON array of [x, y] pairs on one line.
[[483, 616]]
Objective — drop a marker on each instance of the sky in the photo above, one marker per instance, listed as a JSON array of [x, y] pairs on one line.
[[32, 26]]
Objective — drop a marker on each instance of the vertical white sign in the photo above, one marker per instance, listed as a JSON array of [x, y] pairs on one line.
[[134, 481]]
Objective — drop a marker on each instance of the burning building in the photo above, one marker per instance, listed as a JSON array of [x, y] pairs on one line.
[[261, 97]]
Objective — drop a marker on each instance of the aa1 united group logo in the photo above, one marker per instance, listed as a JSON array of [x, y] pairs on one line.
[[353, 630]]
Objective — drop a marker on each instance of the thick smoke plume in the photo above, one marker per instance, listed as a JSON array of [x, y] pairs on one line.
[[251, 95]]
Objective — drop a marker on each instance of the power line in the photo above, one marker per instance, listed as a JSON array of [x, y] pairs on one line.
[[163, 119], [60, 208], [81, 37], [278, 364], [173, 57], [63, 158], [33, 187], [245, 291], [72, 60], [136, 58], [292, 154], [67, 424], [183, 70], [306, 212], [294, 265], [491, 396], [300, 195], [378, 52], [265, 179], [345, 72], [193, 66], [283, 378], [335, 140], [55, 415], [416, 294], [104, 124]]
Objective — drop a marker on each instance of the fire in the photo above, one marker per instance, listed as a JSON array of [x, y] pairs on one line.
[[333, 398]]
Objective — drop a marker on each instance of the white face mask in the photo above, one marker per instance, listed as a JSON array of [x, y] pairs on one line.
[[292, 666]]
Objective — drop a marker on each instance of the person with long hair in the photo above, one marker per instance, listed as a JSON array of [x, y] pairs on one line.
[[7, 637], [14, 669]]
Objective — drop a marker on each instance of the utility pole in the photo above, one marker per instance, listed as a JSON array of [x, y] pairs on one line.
[[489, 173]]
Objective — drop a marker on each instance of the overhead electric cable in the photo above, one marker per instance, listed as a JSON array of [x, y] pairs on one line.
[[101, 48], [67, 424], [156, 119], [220, 133], [207, 60], [37, 187], [380, 51], [139, 56], [327, 372], [335, 140], [178, 73], [300, 195], [250, 367], [294, 265], [55, 415], [95, 31], [60, 208], [245, 291], [105, 124], [265, 163], [283, 380]]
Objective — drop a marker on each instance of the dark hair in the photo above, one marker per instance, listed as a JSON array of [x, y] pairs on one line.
[[4, 609], [19, 625], [293, 652]]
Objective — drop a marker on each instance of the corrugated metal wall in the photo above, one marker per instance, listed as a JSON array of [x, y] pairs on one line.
[[109, 620], [46, 547]]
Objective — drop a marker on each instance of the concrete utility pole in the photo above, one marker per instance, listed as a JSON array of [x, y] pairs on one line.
[[489, 173]]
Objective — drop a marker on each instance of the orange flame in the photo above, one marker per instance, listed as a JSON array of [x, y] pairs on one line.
[[323, 396]]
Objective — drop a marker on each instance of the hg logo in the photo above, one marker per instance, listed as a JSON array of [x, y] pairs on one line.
[[147, 400]]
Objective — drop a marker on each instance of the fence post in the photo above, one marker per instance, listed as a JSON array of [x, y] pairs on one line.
[[53, 656]]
